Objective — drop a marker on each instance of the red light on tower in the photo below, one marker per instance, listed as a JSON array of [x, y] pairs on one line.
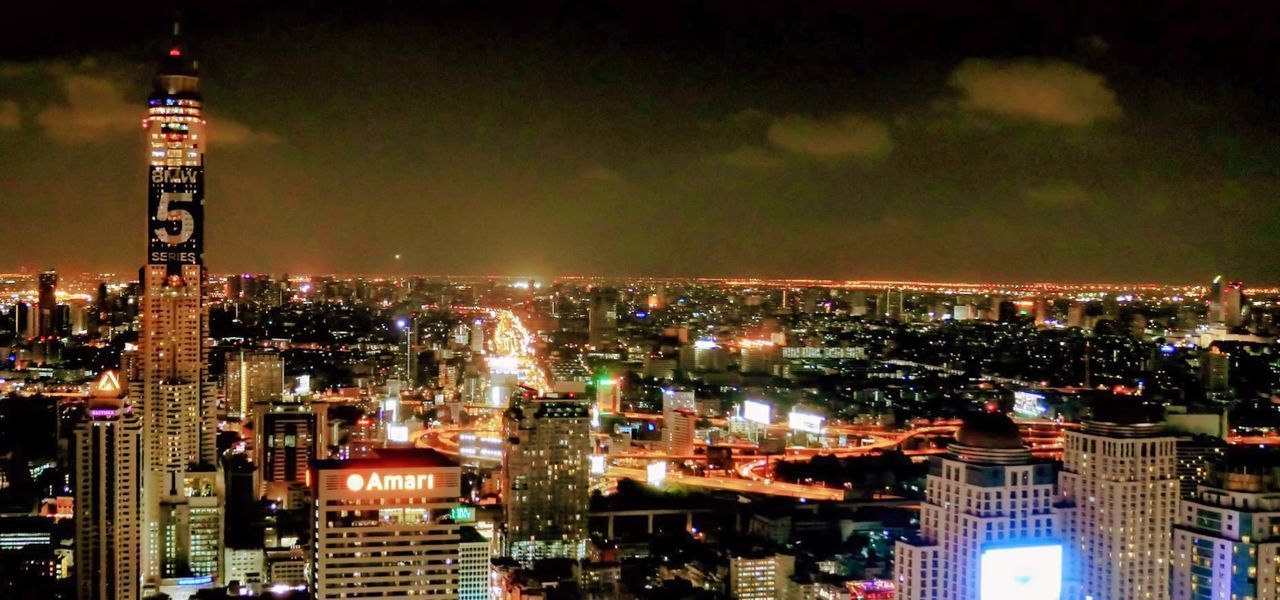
[[175, 51]]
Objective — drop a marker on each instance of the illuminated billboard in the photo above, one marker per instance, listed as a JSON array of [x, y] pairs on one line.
[[806, 422], [597, 464], [397, 433], [656, 473], [1029, 404], [756, 412], [1032, 572]]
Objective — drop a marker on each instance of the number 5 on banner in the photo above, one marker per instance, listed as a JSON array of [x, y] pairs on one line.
[[164, 213]]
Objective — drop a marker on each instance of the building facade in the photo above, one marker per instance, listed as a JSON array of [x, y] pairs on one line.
[[1119, 494], [1226, 542], [546, 477], [986, 524], [108, 517], [383, 526], [253, 376]]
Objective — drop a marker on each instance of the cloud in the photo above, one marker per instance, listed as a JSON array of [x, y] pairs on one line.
[[1050, 91], [94, 105], [751, 157], [846, 135], [10, 114]]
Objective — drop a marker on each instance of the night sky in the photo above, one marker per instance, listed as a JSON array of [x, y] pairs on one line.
[[997, 141]]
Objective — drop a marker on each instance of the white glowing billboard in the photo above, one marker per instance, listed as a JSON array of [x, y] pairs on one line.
[[806, 422], [656, 473], [756, 412], [397, 433], [1032, 572], [597, 464]]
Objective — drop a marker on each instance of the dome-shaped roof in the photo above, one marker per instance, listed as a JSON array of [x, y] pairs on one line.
[[990, 430]]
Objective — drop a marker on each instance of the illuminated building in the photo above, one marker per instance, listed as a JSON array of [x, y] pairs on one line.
[[1215, 371], [170, 380], [474, 554], [673, 401], [602, 319], [48, 304], [1226, 542], [608, 396], [546, 477], [1233, 304], [1119, 494], [384, 528], [252, 376], [1196, 457], [760, 576], [108, 518], [190, 524], [684, 423], [985, 525], [289, 437]]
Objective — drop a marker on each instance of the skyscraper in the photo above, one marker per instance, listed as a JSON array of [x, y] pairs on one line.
[[108, 451], [1119, 494], [986, 528], [252, 376], [171, 382], [602, 318], [679, 417], [545, 472], [288, 439], [1226, 543], [48, 303]]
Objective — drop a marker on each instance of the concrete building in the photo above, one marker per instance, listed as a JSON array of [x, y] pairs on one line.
[[986, 525], [383, 526], [474, 554], [763, 576], [602, 319], [289, 436], [1119, 495], [108, 517], [253, 376], [546, 477], [1226, 543]]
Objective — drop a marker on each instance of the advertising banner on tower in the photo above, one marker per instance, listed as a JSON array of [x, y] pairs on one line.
[[175, 205]]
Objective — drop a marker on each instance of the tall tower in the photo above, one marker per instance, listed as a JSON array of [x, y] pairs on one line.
[[171, 382], [48, 302], [545, 474], [1119, 496], [108, 443]]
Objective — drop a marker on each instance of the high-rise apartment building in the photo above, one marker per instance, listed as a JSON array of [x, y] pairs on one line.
[[48, 303], [986, 524], [1119, 495], [108, 517], [545, 471], [252, 376], [602, 318], [384, 528], [289, 436], [170, 380], [677, 434], [1226, 543]]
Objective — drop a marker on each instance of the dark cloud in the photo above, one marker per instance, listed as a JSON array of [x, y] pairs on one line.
[[91, 104], [845, 135], [1050, 91]]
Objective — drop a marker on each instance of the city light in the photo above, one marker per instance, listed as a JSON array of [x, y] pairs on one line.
[[1032, 572]]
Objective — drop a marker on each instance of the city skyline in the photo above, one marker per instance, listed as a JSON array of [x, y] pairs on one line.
[[864, 143]]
